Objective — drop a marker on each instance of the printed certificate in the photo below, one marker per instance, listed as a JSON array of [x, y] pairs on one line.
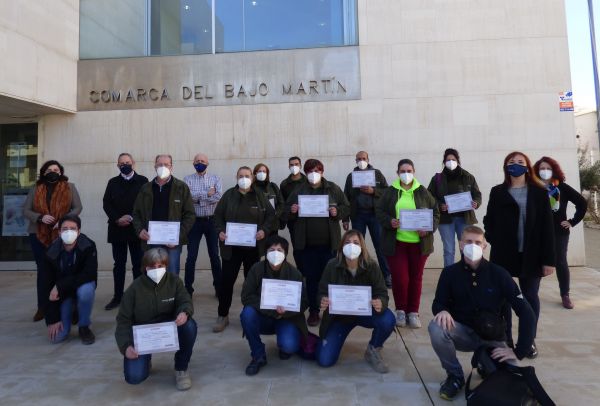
[[416, 220], [363, 178], [350, 300], [313, 205], [154, 338], [163, 232], [241, 234], [276, 292], [459, 202]]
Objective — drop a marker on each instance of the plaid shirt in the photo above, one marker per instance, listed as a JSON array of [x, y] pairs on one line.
[[199, 185]]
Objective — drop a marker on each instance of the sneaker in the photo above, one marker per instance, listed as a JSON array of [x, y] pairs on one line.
[[284, 355], [413, 320], [220, 324], [451, 386], [373, 357], [388, 281], [182, 380], [533, 352], [39, 315], [255, 365], [313, 319], [113, 304], [400, 318], [567, 303], [86, 336]]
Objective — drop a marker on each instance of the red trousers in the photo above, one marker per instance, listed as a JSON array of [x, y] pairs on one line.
[[406, 268]]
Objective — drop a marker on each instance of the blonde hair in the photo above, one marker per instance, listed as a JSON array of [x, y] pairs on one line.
[[364, 256]]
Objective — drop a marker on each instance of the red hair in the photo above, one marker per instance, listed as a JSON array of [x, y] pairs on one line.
[[557, 172], [530, 177]]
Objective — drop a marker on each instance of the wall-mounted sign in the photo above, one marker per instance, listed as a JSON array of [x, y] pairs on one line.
[[565, 101], [303, 75]]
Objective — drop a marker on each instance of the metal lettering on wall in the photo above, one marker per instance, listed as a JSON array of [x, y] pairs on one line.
[[302, 75]]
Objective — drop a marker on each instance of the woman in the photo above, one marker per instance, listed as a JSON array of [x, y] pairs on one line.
[[52, 197], [240, 204], [289, 325], [316, 235], [560, 194], [406, 250], [519, 226], [271, 191], [453, 179], [157, 296], [353, 266]]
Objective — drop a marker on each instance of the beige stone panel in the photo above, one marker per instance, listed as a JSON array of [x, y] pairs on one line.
[[375, 71], [18, 66]]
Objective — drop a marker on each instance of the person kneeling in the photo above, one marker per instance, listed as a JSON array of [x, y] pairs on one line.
[[287, 325], [155, 297], [353, 266], [468, 306]]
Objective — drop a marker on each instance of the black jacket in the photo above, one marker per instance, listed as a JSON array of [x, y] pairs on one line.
[[353, 194], [568, 194], [118, 201], [501, 223], [67, 281]]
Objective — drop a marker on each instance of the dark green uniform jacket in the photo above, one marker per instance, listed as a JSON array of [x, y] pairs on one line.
[[463, 182], [352, 194]]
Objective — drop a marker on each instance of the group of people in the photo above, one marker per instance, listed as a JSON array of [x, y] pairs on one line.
[[525, 223]]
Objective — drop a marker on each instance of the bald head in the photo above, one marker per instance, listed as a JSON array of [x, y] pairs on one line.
[[201, 158]]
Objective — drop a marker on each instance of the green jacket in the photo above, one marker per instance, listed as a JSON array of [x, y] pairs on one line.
[[272, 193], [438, 187], [226, 211], [336, 273], [386, 211], [145, 302], [251, 291], [181, 208], [353, 193], [336, 199]]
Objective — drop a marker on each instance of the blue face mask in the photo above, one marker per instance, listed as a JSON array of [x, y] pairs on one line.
[[125, 169], [200, 167], [516, 170]]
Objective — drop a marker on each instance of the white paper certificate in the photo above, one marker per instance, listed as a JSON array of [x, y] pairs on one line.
[[276, 292], [241, 234], [163, 232], [153, 338], [416, 220], [313, 205], [363, 178], [351, 300], [459, 202]]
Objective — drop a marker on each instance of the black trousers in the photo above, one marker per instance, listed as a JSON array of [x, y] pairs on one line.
[[229, 273], [561, 243]]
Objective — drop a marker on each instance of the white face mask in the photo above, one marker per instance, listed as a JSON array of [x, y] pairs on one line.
[[451, 164], [546, 174], [473, 252], [406, 178], [351, 251], [244, 183], [275, 257], [294, 170], [68, 236], [156, 274], [163, 172], [314, 177], [261, 176], [362, 165]]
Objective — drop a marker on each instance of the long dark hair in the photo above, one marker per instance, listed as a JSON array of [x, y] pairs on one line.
[[45, 167]]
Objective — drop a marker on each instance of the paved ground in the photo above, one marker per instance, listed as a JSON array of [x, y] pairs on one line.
[[36, 372]]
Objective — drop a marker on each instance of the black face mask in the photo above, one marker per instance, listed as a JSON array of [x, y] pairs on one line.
[[51, 177], [125, 169]]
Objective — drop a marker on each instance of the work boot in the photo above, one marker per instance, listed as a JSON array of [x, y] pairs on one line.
[[373, 357], [86, 335], [567, 303], [182, 380], [39, 315], [255, 365], [113, 304], [220, 324]]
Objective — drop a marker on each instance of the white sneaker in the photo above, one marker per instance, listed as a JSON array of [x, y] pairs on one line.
[[400, 318], [413, 320]]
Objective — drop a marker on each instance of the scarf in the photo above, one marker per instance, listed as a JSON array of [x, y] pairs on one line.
[[60, 204], [554, 195]]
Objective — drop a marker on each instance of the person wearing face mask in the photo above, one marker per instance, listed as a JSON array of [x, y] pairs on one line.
[[560, 194], [206, 191], [157, 296], [288, 325], [70, 278], [287, 187], [316, 237], [119, 196], [165, 198], [406, 250], [468, 311], [353, 266], [240, 204], [52, 197], [453, 179], [362, 209], [519, 226], [271, 191]]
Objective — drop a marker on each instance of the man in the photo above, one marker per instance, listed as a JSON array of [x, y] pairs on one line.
[[121, 192], [467, 292], [206, 191], [71, 265], [362, 209], [164, 199], [287, 187]]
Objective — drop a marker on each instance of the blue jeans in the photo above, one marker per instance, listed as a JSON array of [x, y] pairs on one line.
[[174, 255], [137, 370], [39, 251], [447, 232], [254, 323], [329, 348], [85, 302], [119, 252], [361, 222], [314, 259], [204, 226]]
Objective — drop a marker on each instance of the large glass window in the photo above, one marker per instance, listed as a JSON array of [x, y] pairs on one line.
[[121, 28]]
